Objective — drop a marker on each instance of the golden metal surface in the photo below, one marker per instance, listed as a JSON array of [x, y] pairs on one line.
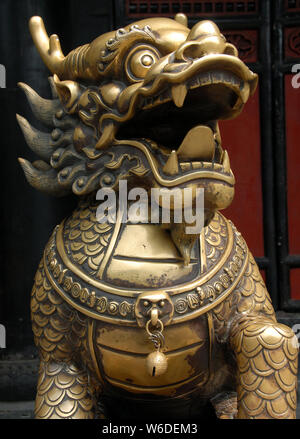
[[104, 262], [146, 310], [156, 306], [116, 345], [220, 251], [156, 363]]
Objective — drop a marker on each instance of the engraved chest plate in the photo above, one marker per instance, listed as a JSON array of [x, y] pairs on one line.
[[219, 263], [122, 351]]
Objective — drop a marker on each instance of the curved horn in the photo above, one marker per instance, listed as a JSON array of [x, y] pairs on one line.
[[49, 48], [71, 66]]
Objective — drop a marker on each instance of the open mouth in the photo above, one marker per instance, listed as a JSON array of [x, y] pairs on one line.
[[182, 120], [179, 92]]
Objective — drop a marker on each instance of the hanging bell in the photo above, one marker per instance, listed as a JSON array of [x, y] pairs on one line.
[[156, 363]]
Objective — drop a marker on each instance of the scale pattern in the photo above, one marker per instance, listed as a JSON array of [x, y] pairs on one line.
[[250, 296], [266, 352], [67, 387], [267, 359]]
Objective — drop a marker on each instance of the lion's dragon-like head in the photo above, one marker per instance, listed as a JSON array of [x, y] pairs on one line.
[[141, 104]]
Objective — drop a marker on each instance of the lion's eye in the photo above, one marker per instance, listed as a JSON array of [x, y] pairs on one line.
[[147, 60], [139, 61]]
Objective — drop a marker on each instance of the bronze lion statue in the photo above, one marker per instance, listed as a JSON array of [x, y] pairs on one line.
[[141, 312]]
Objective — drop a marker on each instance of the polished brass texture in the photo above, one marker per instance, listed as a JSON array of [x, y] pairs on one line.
[[157, 306], [156, 363], [145, 311]]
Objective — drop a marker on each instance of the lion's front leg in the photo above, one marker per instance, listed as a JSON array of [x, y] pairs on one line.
[[267, 356], [67, 384], [63, 392]]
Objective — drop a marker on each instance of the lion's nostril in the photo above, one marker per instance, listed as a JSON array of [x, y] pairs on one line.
[[196, 50], [204, 46]]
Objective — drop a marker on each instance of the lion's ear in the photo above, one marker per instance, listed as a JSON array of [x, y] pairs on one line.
[[68, 93]]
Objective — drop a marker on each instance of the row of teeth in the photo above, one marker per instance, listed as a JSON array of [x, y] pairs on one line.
[[215, 78], [173, 165], [178, 92], [190, 166]]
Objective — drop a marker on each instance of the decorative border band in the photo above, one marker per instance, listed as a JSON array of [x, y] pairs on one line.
[[178, 289], [190, 303]]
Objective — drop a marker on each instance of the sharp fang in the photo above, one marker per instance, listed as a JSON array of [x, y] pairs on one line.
[[171, 167], [178, 94], [226, 162], [245, 92]]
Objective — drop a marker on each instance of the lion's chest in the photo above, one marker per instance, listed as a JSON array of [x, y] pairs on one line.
[[121, 277], [122, 354]]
